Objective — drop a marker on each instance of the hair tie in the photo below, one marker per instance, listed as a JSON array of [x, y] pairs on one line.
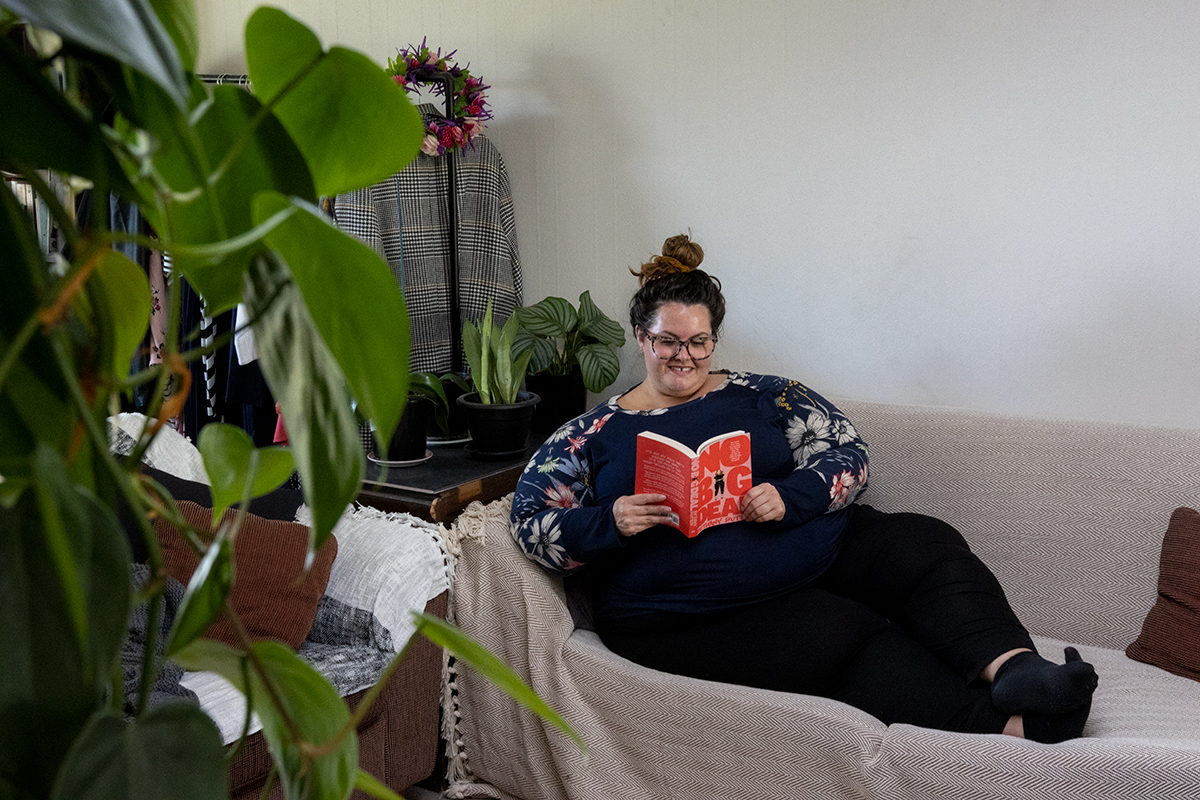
[[668, 261]]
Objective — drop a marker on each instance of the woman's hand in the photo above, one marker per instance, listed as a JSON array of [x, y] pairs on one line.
[[763, 504], [634, 513]]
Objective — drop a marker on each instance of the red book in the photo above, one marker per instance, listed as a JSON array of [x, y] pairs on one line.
[[704, 487]]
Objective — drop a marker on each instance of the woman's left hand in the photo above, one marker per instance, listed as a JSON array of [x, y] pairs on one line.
[[763, 504]]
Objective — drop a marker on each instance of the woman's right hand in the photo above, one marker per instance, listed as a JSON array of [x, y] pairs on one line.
[[634, 513]]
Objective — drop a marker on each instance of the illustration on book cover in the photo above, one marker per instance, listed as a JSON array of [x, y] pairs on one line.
[[704, 487]]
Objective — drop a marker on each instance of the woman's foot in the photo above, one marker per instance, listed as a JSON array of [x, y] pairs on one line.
[[1055, 728], [1029, 685]]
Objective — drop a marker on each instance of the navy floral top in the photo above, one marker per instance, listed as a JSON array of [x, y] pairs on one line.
[[562, 510]]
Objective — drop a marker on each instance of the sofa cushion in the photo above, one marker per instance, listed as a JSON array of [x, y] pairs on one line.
[[269, 595], [1170, 637]]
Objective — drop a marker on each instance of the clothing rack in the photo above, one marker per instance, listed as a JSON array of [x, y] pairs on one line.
[[224, 78], [447, 83]]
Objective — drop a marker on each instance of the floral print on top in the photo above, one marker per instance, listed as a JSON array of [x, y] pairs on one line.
[[801, 443]]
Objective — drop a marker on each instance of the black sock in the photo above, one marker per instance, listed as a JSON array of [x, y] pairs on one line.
[[1055, 728], [1029, 684]]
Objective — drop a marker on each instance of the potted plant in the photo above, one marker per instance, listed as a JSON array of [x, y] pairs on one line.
[[498, 412], [574, 351], [427, 404], [229, 180]]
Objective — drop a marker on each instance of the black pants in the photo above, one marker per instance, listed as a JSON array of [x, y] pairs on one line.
[[900, 626]]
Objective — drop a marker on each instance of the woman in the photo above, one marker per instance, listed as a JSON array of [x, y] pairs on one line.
[[810, 592]]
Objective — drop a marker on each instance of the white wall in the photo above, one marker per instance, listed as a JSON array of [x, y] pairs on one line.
[[983, 204]]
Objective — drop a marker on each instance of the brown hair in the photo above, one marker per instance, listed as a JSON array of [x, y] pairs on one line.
[[676, 277]]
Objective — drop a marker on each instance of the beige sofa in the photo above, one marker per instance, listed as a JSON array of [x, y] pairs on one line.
[[1071, 517]]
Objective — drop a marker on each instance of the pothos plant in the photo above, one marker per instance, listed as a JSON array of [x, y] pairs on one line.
[[229, 180]]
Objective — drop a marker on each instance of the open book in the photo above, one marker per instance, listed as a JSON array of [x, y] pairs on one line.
[[704, 487]]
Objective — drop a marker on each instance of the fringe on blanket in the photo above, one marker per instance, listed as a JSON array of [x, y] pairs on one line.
[[460, 781]]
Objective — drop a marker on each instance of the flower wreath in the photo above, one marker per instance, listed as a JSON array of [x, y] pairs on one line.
[[417, 65]]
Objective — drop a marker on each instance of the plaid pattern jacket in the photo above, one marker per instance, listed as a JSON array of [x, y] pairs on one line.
[[405, 218]]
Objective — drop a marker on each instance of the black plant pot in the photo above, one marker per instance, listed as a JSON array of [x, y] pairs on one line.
[[498, 429], [563, 398], [408, 442]]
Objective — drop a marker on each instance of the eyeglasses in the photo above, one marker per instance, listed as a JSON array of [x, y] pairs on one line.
[[665, 347]]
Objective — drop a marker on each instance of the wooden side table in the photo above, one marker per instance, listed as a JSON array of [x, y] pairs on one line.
[[439, 489]]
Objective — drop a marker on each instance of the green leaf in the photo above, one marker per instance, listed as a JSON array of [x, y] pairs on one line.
[[304, 378], [306, 698], [599, 366], [172, 751], [551, 316], [504, 362], [235, 465], [542, 349], [66, 589], [429, 386], [353, 299], [123, 288], [178, 17], [594, 324], [473, 347], [337, 104], [205, 597], [267, 159], [467, 649], [367, 783], [31, 404], [50, 133], [486, 345], [127, 30]]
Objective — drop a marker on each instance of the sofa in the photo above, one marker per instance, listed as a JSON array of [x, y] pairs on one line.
[[1070, 515], [386, 566]]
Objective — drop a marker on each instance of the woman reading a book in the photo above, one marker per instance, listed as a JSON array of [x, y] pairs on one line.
[[810, 591]]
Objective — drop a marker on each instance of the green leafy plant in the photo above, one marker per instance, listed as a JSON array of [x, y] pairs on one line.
[[496, 369], [428, 385], [229, 180], [563, 340]]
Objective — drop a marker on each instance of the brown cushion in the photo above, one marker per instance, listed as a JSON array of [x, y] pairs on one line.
[[271, 596], [1170, 637]]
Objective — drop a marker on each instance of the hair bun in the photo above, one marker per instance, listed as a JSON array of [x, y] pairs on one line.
[[684, 250], [679, 254]]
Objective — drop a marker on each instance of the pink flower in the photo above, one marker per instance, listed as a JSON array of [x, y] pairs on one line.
[[598, 424], [471, 127], [475, 109], [400, 80], [842, 484], [429, 145], [446, 136], [559, 495], [576, 443]]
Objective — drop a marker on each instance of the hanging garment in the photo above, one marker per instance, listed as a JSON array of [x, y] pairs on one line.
[[405, 219]]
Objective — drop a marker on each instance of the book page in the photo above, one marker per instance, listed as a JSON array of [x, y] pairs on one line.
[[663, 469]]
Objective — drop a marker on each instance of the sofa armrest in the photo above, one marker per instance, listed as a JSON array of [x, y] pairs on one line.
[[388, 565]]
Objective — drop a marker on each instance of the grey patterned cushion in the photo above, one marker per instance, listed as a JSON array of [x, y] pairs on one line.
[[1170, 637]]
